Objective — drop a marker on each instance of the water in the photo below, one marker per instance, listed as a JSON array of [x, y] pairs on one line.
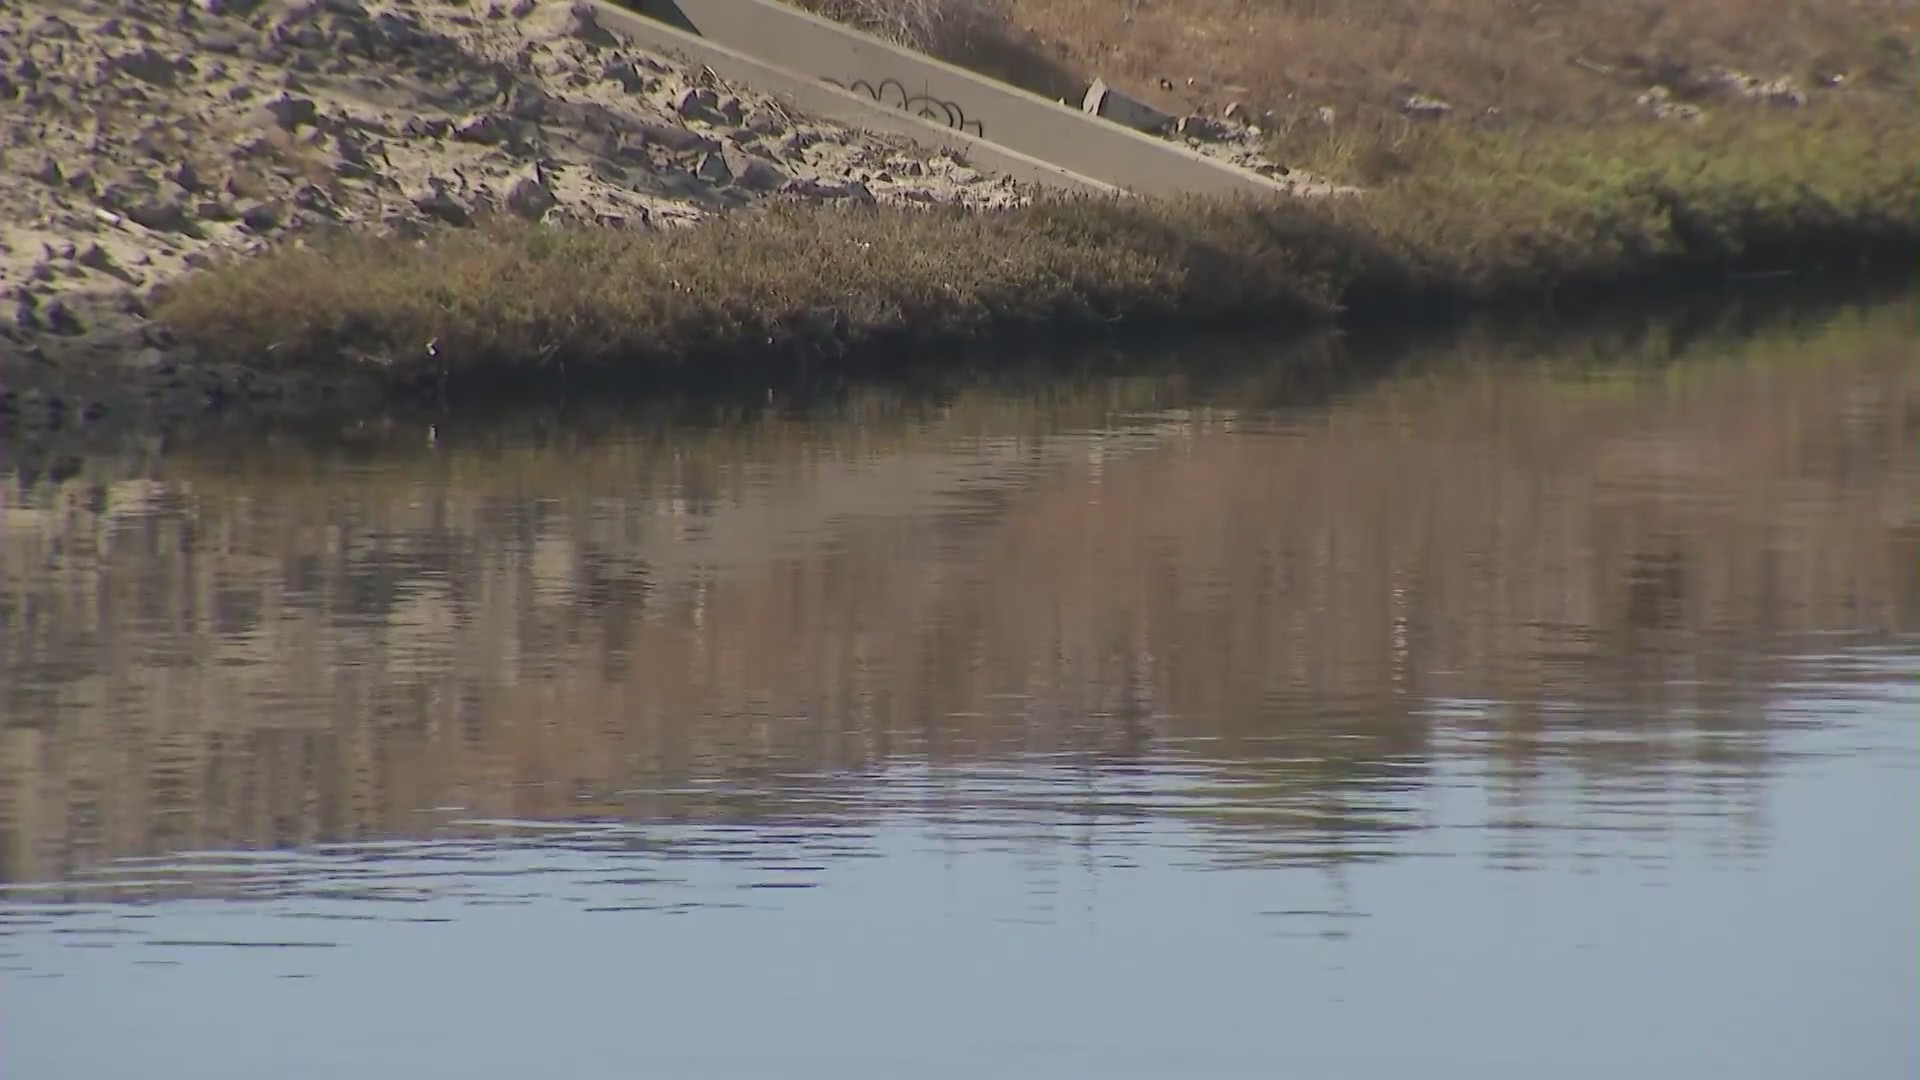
[[1532, 707]]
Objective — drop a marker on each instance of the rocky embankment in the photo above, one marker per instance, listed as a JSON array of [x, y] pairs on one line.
[[140, 138]]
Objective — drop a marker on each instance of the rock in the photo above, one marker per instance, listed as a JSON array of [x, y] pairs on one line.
[[260, 216], [392, 31], [794, 145], [677, 139], [186, 176], [627, 75], [212, 210], [592, 117], [1659, 101], [633, 151], [290, 112], [764, 123], [315, 200], [238, 9], [1236, 112], [60, 319], [526, 101], [696, 102], [149, 66], [1104, 101], [760, 174], [486, 129], [731, 110], [521, 9], [528, 195], [161, 212], [713, 169], [585, 25], [426, 127], [1424, 107], [815, 189], [1204, 128], [438, 202], [48, 172]]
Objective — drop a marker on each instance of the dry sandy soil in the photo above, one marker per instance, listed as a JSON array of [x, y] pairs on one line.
[[139, 138]]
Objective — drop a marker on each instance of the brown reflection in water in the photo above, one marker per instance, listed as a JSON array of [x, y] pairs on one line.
[[1278, 607]]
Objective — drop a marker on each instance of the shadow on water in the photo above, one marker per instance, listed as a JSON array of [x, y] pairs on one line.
[[1267, 600]]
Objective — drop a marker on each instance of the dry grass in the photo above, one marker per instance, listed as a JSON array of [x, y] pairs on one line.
[[1523, 63]]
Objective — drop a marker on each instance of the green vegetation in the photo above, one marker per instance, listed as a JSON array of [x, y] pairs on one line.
[[1500, 219]]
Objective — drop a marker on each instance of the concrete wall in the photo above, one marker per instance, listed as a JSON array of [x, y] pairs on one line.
[[941, 93], [813, 97]]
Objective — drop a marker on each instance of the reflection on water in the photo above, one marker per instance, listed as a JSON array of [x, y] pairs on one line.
[[1143, 693]]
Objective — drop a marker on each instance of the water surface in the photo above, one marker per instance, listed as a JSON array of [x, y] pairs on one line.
[[1531, 707]]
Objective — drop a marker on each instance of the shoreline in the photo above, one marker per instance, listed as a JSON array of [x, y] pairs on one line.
[[163, 400], [544, 218]]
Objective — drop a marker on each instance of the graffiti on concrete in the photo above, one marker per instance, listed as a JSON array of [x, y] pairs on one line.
[[938, 110]]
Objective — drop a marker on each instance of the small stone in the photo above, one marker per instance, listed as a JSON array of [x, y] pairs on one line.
[[521, 8], [731, 110], [1425, 107], [48, 172]]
